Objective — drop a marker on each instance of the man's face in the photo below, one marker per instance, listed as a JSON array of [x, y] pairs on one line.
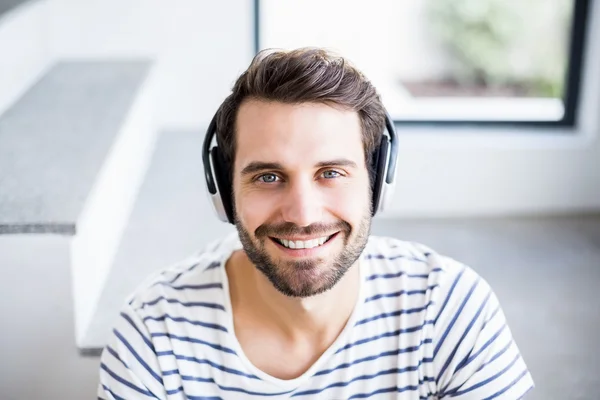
[[301, 192]]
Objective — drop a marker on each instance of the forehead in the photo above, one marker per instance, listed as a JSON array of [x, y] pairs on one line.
[[296, 135]]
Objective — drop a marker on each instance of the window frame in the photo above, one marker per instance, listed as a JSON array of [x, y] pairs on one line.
[[571, 95]]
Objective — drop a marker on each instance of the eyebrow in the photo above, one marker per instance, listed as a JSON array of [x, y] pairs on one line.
[[257, 166], [340, 162]]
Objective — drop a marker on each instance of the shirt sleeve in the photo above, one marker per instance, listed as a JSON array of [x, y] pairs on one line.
[[475, 355], [129, 366]]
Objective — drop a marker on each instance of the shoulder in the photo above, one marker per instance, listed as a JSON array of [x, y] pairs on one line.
[[471, 351], [387, 255], [192, 277], [449, 286]]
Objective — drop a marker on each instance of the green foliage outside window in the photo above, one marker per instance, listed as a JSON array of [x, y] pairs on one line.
[[511, 43]]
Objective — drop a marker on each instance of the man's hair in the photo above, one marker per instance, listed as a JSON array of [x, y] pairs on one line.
[[300, 76]]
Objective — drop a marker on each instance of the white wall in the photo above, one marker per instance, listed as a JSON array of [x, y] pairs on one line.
[[201, 47], [24, 54]]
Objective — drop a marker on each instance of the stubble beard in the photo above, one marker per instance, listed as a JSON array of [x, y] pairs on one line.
[[311, 276]]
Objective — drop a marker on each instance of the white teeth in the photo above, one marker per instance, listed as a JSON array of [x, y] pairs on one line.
[[303, 244]]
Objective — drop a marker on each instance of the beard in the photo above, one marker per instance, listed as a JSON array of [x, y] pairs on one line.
[[307, 277]]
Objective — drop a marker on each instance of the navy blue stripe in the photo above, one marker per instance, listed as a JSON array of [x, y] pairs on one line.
[[177, 276], [208, 362], [394, 314], [189, 397], [401, 273], [230, 388], [457, 313], [113, 394], [116, 355], [375, 357], [172, 281], [137, 356], [363, 377], [236, 389], [392, 258], [492, 315], [146, 340], [529, 389], [507, 387], [175, 391], [170, 372], [193, 340], [182, 319], [449, 294], [125, 382], [469, 358], [393, 389], [464, 335], [195, 287], [456, 392], [213, 265], [185, 304], [400, 293], [496, 356], [383, 335]]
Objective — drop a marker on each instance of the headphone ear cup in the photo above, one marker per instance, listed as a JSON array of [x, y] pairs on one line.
[[221, 173], [380, 157]]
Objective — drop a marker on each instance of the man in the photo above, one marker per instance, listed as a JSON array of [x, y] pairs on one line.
[[302, 302]]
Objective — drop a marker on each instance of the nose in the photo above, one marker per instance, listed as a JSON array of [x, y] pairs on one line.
[[302, 203]]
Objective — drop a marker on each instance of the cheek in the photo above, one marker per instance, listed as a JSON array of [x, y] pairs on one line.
[[348, 202], [254, 208]]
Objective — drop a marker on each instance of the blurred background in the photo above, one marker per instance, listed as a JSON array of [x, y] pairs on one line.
[[103, 108]]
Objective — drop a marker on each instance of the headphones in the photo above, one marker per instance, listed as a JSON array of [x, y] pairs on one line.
[[217, 172]]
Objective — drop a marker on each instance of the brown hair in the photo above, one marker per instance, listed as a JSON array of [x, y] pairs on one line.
[[298, 76]]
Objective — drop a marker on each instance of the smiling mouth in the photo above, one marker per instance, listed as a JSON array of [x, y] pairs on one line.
[[304, 244]]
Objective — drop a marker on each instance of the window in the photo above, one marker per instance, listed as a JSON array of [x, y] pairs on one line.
[[448, 61]]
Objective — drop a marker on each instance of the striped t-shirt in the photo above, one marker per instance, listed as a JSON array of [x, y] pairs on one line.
[[424, 327]]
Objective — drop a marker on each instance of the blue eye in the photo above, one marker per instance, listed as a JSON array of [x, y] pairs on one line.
[[331, 174], [267, 178]]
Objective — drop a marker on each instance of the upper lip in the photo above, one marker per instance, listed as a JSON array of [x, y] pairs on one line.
[[303, 239]]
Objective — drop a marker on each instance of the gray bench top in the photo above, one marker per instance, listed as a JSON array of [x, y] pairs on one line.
[[54, 139]]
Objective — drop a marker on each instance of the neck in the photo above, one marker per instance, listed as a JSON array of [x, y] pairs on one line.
[[321, 317]]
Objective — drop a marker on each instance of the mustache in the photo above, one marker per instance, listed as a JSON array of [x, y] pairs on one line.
[[290, 229]]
